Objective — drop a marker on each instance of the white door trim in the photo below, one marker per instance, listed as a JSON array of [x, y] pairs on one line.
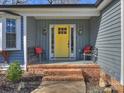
[[51, 54]]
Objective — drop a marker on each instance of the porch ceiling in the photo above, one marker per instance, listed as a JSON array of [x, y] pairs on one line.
[[57, 12], [53, 10]]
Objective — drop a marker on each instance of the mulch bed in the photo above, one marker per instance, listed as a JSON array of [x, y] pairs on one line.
[[92, 86], [29, 84]]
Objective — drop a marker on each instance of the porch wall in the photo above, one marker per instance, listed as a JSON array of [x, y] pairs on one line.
[[81, 40], [37, 38], [106, 36], [31, 39]]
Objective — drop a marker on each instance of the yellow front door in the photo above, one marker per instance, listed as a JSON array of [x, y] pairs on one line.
[[62, 40]]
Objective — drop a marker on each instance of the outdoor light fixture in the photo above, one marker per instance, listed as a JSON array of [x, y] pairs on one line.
[[44, 31], [81, 29], [80, 32]]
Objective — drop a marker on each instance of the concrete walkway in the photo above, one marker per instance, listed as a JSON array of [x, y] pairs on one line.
[[61, 87]]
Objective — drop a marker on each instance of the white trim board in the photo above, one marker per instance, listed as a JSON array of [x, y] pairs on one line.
[[60, 17], [25, 40], [104, 4], [57, 12], [65, 14], [122, 42], [6, 66]]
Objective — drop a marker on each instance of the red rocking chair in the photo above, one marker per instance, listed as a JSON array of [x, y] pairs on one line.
[[87, 51]]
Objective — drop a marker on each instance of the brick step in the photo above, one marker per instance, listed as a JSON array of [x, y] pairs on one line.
[[62, 72], [56, 71], [63, 78], [38, 68], [61, 66], [88, 70], [35, 71]]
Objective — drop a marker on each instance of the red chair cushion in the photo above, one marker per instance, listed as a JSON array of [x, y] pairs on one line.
[[87, 49], [38, 50]]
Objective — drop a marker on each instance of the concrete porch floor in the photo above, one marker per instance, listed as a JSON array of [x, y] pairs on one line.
[[64, 62]]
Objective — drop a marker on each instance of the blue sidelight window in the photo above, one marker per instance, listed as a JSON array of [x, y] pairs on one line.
[[10, 33]]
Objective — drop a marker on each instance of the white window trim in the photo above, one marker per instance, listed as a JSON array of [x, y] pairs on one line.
[[1, 32], [18, 33]]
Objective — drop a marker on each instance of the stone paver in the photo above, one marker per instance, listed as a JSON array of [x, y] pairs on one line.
[[61, 87]]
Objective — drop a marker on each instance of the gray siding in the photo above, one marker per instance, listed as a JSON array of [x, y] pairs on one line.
[[81, 40], [106, 36], [31, 39], [37, 38], [31, 32]]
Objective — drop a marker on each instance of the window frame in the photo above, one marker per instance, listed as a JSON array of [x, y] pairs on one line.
[[18, 32]]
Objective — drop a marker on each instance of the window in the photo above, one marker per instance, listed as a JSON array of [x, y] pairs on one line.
[[72, 40], [62, 31], [10, 33], [52, 39]]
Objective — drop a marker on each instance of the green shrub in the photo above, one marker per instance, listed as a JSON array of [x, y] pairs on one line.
[[14, 71]]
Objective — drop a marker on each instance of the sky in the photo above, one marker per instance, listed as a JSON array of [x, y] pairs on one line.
[[46, 2]]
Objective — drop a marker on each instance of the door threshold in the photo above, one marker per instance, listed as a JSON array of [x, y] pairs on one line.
[[63, 59]]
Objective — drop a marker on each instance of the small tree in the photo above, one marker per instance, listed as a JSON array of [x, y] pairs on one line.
[[14, 71]]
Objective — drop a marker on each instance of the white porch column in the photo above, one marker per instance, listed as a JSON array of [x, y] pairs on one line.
[[25, 40], [122, 42]]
